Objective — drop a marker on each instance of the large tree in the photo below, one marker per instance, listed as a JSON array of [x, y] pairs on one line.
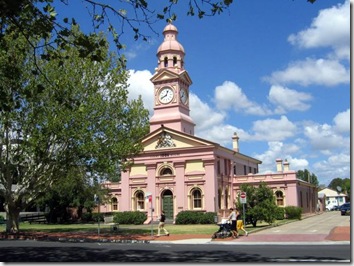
[[307, 176], [260, 204], [73, 117], [41, 18], [342, 183]]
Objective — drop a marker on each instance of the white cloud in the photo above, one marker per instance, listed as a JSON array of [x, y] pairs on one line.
[[323, 138], [230, 96], [342, 121], [311, 71], [273, 129], [280, 150], [337, 165], [203, 115], [140, 84], [331, 28], [288, 100]]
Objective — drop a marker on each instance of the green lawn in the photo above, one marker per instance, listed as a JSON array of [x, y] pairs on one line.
[[132, 229]]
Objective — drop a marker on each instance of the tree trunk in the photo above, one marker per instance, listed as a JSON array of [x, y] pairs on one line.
[[13, 217]]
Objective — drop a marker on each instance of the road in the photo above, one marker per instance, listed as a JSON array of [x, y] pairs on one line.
[[276, 244], [40, 251]]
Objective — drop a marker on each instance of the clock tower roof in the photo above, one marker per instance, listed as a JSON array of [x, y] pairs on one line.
[[170, 42]]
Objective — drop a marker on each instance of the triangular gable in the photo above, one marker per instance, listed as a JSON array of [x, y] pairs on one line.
[[331, 193], [165, 74], [167, 138]]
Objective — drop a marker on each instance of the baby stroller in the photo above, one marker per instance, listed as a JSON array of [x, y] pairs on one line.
[[224, 230]]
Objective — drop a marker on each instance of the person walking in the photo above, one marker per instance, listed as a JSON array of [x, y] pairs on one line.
[[161, 225], [240, 225], [233, 219]]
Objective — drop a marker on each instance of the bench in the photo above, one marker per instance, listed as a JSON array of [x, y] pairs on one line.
[[108, 220]]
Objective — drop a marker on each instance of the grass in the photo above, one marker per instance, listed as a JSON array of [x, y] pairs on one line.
[[135, 229]]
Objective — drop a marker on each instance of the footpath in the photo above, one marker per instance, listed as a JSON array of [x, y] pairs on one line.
[[328, 228]]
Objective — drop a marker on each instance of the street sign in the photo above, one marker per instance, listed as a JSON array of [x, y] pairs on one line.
[[148, 197], [243, 197]]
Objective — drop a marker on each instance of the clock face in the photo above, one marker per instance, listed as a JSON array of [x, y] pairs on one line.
[[183, 96], [166, 95]]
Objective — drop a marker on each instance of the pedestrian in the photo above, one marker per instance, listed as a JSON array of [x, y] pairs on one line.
[[240, 225], [233, 219], [162, 224]]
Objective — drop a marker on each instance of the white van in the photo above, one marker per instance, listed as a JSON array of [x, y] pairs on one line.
[[331, 204]]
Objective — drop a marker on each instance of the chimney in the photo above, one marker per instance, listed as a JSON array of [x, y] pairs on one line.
[[235, 139], [279, 165], [286, 165]]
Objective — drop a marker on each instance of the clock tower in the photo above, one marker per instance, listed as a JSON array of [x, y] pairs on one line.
[[171, 86]]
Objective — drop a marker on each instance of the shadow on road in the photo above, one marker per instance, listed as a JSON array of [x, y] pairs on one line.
[[79, 254]]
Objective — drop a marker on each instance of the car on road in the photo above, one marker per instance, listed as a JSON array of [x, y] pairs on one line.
[[344, 208]]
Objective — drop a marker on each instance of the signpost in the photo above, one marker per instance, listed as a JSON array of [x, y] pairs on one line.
[[243, 200]]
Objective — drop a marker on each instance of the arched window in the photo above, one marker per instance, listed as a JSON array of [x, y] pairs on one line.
[[280, 198], [140, 201], [166, 171], [165, 62], [174, 61], [196, 199], [114, 204]]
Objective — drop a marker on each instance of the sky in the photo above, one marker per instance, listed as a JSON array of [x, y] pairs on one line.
[[277, 72]]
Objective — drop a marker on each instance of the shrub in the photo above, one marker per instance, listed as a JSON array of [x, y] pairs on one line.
[[2, 219], [129, 217], [96, 216], [192, 217], [86, 217], [293, 212], [279, 213]]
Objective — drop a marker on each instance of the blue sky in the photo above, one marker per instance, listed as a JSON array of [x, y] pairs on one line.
[[277, 72]]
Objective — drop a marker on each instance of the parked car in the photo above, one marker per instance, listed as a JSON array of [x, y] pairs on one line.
[[344, 208]]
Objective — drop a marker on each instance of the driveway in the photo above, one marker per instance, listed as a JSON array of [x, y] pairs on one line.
[[327, 226]]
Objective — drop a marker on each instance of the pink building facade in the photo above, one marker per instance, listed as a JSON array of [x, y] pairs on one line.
[[177, 171]]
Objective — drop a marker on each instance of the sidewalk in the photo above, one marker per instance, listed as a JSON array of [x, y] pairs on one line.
[[338, 235]]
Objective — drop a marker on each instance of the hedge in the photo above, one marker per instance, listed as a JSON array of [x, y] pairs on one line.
[[193, 217]]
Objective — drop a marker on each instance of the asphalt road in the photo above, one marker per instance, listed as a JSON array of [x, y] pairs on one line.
[[258, 247], [40, 251]]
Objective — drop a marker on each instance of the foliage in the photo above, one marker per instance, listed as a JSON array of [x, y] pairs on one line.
[[97, 216], [129, 217], [40, 18], [80, 124], [343, 183], [192, 217], [279, 213], [260, 204], [293, 212], [307, 176]]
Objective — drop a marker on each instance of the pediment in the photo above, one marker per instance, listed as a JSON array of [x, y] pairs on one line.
[[165, 139], [166, 74]]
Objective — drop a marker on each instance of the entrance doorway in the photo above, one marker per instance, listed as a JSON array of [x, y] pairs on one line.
[[167, 204]]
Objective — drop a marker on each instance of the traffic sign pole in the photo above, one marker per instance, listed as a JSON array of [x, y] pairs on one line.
[[243, 200]]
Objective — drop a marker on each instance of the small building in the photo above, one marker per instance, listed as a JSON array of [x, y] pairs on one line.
[[333, 198]]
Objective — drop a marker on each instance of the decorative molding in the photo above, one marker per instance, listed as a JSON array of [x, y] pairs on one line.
[[165, 141]]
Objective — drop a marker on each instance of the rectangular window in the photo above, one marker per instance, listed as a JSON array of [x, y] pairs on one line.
[[245, 170]]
